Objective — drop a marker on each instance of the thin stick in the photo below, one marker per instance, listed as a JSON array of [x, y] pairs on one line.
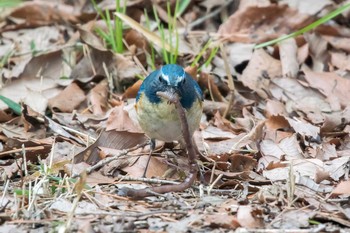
[[231, 84], [110, 159]]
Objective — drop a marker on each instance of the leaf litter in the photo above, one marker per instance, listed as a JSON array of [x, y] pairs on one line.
[[278, 161]]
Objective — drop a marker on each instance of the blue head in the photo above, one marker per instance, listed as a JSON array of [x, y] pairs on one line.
[[171, 78]]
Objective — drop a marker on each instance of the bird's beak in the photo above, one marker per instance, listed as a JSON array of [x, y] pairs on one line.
[[169, 94]]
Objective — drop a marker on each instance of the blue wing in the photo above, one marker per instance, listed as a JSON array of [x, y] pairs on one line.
[[147, 83]]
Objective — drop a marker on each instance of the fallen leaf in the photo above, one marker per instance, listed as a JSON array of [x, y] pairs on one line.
[[288, 53], [310, 7], [288, 148], [69, 99], [98, 97], [257, 24], [249, 217], [221, 220], [157, 167], [329, 84], [261, 68]]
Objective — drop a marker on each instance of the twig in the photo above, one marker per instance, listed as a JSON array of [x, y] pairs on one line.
[[110, 159], [170, 182], [136, 215], [140, 193], [33, 148], [231, 84]]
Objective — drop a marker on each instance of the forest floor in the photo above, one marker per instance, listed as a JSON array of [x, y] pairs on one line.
[[273, 138]]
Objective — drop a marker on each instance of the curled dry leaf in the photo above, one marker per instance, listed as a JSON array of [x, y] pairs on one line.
[[207, 82], [132, 91]]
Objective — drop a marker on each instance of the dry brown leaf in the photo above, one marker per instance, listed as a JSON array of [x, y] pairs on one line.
[[318, 47], [340, 60], [335, 120], [92, 65], [91, 39], [241, 163], [329, 84], [310, 7], [304, 128], [302, 168], [215, 133], [338, 167], [249, 217], [132, 91], [342, 188], [289, 148], [299, 97], [261, 68], [257, 24], [41, 75], [221, 220], [288, 54], [21, 42], [111, 139], [120, 120], [274, 123], [206, 81], [341, 43], [294, 219], [69, 99], [274, 108], [44, 13], [219, 147], [157, 167], [303, 53], [98, 97]]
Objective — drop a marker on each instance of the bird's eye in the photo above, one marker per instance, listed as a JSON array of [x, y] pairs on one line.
[[160, 79]]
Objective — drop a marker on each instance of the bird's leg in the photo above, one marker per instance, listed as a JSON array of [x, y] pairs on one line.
[[153, 146]]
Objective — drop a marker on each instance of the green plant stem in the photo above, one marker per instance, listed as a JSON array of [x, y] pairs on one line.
[[309, 27]]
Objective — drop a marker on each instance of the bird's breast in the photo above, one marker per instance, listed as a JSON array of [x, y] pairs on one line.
[[161, 121]]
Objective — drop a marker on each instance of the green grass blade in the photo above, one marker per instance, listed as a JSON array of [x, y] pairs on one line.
[[211, 56], [15, 107], [309, 27], [110, 30], [9, 3], [183, 4], [200, 54]]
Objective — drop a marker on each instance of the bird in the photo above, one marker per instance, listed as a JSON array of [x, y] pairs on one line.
[[157, 117]]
